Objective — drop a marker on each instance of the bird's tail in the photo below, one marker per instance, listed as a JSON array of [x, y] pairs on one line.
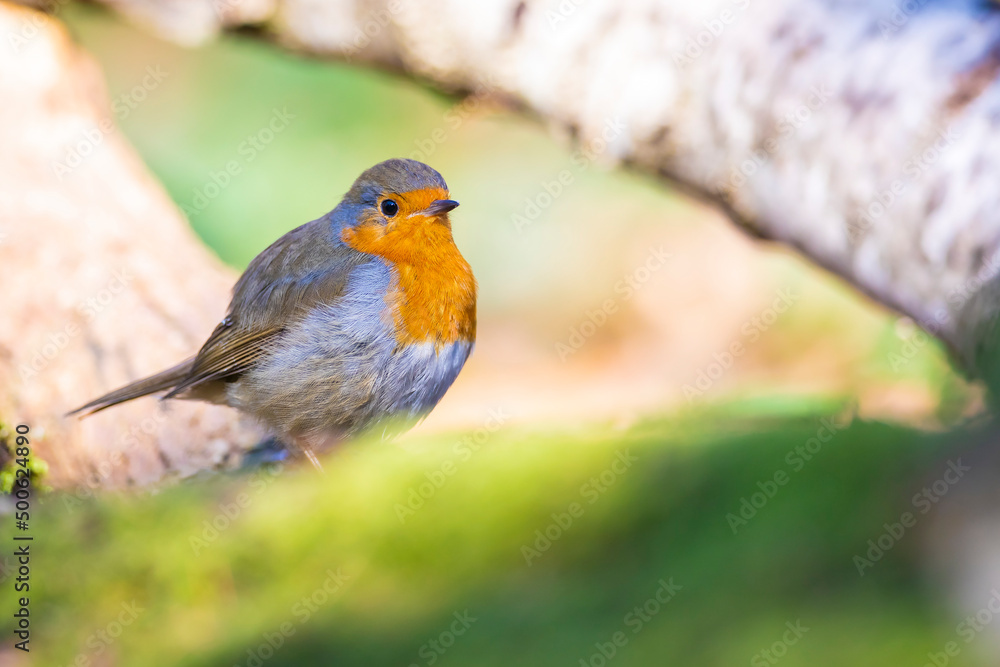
[[154, 383]]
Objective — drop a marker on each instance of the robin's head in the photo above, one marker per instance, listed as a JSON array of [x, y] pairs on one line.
[[398, 210], [398, 197]]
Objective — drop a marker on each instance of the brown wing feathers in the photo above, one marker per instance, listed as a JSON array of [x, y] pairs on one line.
[[225, 355], [150, 385], [297, 271]]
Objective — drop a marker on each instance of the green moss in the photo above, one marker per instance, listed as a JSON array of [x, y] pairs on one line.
[[37, 466], [217, 567]]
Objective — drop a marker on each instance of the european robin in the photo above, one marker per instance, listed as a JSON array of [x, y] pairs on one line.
[[359, 319]]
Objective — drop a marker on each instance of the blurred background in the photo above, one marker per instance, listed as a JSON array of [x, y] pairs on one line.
[[672, 444]]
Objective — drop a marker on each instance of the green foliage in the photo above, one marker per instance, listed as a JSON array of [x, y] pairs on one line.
[[37, 467], [206, 597]]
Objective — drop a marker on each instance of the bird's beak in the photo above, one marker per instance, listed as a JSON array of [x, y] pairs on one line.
[[440, 206]]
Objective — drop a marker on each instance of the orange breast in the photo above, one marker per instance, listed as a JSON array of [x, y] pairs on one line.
[[435, 292]]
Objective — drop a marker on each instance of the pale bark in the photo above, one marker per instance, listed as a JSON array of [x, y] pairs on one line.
[[102, 278]]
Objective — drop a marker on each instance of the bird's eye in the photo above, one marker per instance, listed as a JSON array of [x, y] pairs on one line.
[[389, 208]]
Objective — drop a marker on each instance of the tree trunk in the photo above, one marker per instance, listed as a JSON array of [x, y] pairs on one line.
[[102, 278]]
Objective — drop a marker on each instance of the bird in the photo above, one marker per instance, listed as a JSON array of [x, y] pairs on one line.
[[360, 319]]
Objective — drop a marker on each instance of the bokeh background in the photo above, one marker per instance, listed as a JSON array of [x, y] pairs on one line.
[[589, 458]]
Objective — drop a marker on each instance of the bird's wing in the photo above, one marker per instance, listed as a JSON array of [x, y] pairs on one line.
[[301, 269]]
